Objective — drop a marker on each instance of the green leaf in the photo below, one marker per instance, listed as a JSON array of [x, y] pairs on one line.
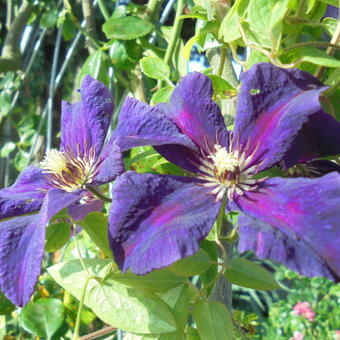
[[196, 264], [331, 2], [318, 57], [263, 15], [7, 149], [265, 19], [130, 309], [189, 45], [162, 95], [43, 317], [221, 87], [191, 334], [213, 320], [155, 68], [178, 300], [69, 29], [70, 274], [49, 18], [96, 65], [251, 275], [256, 57], [95, 224], [210, 274], [127, 28], [119, 56], [330, 25], [333, 78], [57, 235], [229, 28], [6, 306], [157, 281]]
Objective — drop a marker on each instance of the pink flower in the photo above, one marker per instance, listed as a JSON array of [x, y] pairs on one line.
[[304, 309], [337, 334], [297, 336]]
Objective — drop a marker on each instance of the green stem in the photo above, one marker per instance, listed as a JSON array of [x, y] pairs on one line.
[[175, 32], [330, 50], [98, 194], [80, 308], [152, 9], [300, 9], [103, 9], [310, 43], [78, 250], [174, 36], [222, 61]]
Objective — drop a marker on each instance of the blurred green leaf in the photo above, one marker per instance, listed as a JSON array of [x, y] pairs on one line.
[[119, 56], [330, 25], [69, 29], [178, 300], [192, 334], [162, 95], [155, 68], [6, 306], [189, 45], [229, 28], [318, 57], [96, 65], [130, 309], [256, 57], [248, 274], [95, 224], [334, 3], [71, 275], [196, 264], [221, 87], [159, 281], [265, 17], [57, 235], [127, 28], [50, 17], [43, 317], [7, 149], [213, 320]]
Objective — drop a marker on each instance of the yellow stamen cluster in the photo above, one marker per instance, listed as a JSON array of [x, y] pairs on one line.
[[68, 171], [227, 172], [224, 160]]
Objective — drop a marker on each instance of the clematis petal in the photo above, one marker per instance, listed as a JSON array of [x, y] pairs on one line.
[[301, 213], [22, 242], [140, 124], [111, 166], [273, 105], [85, 124], [191, 108], [318, 137], [25, 195], [268, 242], [158, 219]]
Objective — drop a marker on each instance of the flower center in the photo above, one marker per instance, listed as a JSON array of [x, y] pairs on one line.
[[68, 171], [227, 172], [224, 161]]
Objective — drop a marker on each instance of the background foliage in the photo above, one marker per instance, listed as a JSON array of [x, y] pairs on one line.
[[142, 49]]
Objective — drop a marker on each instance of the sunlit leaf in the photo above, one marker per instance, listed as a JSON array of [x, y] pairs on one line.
[[213, 320], [249, 274], [43, 317], [127, 28]]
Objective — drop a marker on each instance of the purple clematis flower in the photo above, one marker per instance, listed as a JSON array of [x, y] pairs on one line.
[[59, 182], [291, 220]]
